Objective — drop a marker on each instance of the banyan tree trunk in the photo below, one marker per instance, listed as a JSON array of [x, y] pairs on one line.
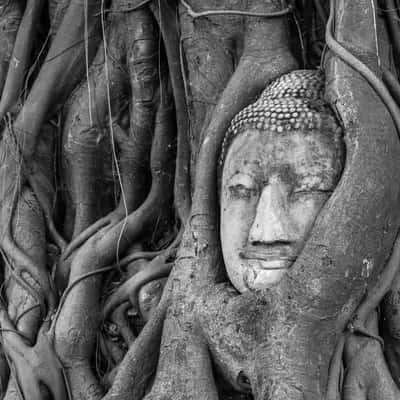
[[279, 342]]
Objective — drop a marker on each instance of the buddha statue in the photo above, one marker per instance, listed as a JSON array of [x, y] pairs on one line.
[[281, 159]]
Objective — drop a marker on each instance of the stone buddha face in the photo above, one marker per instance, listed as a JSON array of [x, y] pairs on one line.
[[274, 184]]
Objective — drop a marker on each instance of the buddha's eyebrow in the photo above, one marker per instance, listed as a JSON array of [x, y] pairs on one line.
[[238, 172]]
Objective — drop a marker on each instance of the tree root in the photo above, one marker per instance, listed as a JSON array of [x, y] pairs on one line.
[[21, 56], [9, 23], [129, 290], [157, 268], [149, 255], [110, 350], [166, 16], [392, 84], [27, 289], [35, 365], [357, 324], [118, 317], [375, 82], [391, 328], [4, 372], [68, 290], [82, 306], [140, 362], [134, 147], [108, 221], [64, 59], [208, 13], [367, 376], [44, 193], [23, 248], [38, 181], [375, 296], [22, 264], [390, 11], [84, 132], [320, 11]]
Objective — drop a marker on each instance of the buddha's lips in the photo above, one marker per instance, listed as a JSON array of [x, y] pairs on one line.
[[273, 254]]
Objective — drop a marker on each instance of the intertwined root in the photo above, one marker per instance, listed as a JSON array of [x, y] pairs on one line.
[[33, 365], [121, 118], [129, 290], [151, 116]]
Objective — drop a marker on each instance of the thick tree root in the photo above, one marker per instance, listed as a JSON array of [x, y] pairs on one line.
[[166, 16], [106, 222], [10, 19], [4, 373], [391, 328], [45, 195], [64, 59], [140, 50], [21, 56], [23, 265], [367, 376], [81, 307], [35, 365], [29, 288], [391, 16], [392, 84], [363, 69]]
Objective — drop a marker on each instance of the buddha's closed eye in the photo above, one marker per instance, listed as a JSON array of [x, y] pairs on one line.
[[240, 191], [242, 186]]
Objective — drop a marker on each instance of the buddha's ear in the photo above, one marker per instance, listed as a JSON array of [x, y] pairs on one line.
[[354, 233]]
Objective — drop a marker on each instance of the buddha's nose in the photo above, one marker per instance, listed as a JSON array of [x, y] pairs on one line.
[[273, 222]]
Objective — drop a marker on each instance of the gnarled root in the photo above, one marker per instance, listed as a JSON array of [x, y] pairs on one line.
[[29, 291], [85, 129], [10, 19], [4, 372], [139, 364], [157, 268], [21, 55], [29, 280], [166, 17], [81, 308], [367, 376], [119, 318], [140, 49], [129, 290], [34, 365], [391, 328]]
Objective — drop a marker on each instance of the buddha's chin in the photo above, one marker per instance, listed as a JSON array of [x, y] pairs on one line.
[[261, 274]]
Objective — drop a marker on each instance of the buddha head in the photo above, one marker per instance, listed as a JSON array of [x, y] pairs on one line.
[[282, 158]]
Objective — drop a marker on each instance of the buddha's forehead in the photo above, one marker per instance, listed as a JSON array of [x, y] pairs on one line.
[[310, 155]]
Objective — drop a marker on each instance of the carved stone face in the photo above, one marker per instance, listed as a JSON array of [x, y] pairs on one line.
[[273, 188]]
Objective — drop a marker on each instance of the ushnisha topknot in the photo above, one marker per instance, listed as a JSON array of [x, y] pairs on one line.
[[293, 102]]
